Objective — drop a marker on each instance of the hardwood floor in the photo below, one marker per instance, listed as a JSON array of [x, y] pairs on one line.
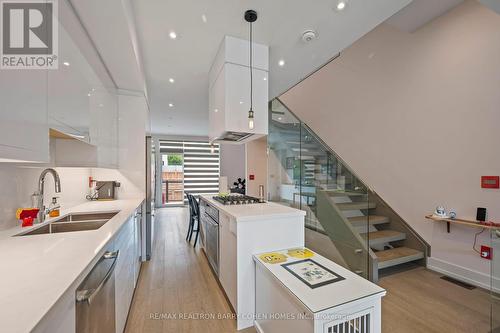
[[418, 300], [178, 284]]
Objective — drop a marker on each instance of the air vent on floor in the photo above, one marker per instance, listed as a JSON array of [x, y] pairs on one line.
[[458, 282]]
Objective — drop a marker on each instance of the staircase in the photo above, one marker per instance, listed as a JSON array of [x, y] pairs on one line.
[[346, 221], [387, 244]]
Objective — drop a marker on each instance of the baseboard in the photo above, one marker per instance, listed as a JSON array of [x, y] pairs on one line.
[[463, 274]]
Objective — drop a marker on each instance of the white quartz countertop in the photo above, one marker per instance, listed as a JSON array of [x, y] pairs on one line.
[[37, 270], [350, 288], [256, 211]]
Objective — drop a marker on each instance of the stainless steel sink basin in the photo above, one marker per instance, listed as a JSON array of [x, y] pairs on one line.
[[72, 223], [86, 217]]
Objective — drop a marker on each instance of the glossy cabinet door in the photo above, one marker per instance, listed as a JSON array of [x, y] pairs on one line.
[[227, 259], [125, 272], [24, 134], [104, 126], [82, 99], [69, 90]]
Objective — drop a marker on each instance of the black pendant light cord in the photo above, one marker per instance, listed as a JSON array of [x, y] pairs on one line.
[[251, 74]]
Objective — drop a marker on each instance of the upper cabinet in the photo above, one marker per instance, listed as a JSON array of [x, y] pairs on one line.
[[65, 116], [24, 134], [82, 100]]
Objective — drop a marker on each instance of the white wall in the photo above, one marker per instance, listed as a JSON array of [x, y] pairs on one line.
[[416, 116], [232, 162], [256, 162]]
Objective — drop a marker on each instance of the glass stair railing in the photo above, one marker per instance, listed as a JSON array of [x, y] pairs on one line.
[[345, 220]]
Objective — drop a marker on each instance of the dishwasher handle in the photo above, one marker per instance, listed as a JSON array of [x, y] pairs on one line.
[[87, 295]]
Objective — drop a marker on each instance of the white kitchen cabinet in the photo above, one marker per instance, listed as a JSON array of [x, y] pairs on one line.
[[340, 301], [24, 134], [82, 100], [229, 89], [137, 244], [104, 125], [125, 271], [227, 258]]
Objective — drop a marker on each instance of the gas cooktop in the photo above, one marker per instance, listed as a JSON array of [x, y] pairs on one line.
[[237, 200]]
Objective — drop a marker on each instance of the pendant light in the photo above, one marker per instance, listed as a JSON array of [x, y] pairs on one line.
[[250, 17]]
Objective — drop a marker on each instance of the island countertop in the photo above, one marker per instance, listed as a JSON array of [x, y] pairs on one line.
[[37, 270], [347, 287], [255, 211]]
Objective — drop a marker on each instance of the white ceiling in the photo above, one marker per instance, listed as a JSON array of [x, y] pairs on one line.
[[280, 25]]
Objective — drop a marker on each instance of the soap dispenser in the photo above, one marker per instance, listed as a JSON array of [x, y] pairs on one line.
[[54, 208]]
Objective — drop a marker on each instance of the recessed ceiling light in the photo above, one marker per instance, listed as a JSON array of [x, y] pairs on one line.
[[265, 79], [279, 118], [170, 105], [216, 110], [171, 80], [88, 94], [66, 63], [341, 4], [172, 35], [241, 102], [281, 63], [204, 18]]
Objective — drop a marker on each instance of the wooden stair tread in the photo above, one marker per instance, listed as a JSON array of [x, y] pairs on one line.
[[397, 256], [361, 221], [384, 236], [356, 205]]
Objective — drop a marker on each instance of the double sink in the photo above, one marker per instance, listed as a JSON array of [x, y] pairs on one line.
[[73, 222]]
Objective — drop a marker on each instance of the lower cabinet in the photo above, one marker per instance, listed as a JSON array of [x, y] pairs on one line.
[[227, 257], [125, 272]]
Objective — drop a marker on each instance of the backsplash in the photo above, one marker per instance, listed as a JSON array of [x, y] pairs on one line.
[[18, 183]]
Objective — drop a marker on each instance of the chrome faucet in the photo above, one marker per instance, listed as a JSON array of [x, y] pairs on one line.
[[39, 193]]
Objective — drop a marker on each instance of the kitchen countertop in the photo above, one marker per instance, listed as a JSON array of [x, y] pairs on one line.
[[256, 211], [38, 269], [351, 288]]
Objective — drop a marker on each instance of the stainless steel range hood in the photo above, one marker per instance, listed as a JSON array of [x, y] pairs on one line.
[[233, 137]]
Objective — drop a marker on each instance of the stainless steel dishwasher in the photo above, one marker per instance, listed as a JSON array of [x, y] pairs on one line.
[[210, 225], [95, 297]]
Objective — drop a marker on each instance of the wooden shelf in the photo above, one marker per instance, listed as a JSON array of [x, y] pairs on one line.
[[469, 223]]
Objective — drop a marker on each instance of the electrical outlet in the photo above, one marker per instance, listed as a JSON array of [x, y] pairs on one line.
[[485, 252]]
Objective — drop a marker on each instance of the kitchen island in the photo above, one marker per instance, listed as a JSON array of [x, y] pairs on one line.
[[244, 230], [41, 272]]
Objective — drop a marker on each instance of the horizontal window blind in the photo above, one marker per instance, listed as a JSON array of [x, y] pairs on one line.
[[201, 165]]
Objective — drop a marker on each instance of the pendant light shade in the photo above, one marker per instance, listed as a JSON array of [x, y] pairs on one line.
[[250, 17]]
